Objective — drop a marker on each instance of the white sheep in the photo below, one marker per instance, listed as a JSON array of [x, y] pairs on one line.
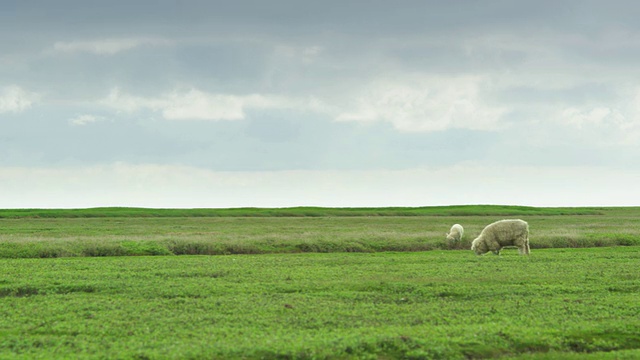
[[455, 234], [503, 233]]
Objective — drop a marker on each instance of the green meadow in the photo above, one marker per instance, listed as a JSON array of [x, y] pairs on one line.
[[311, 283], [125, 231]]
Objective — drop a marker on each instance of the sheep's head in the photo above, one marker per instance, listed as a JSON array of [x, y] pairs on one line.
[[479, 247]]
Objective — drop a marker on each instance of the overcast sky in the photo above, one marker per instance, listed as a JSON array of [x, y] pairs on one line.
[[329, 103]]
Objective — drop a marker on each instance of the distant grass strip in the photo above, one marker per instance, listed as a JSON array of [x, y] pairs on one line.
[[462, 210], [42, 237]]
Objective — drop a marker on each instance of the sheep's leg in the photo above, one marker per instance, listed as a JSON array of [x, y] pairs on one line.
[[524, 249]]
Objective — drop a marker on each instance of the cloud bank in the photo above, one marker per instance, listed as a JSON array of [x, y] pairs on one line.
[[196, 105], [106, 46], [14, 99], [426, 103]]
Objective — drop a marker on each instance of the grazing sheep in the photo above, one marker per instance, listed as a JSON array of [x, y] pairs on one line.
[[455, 234], [500, 234]]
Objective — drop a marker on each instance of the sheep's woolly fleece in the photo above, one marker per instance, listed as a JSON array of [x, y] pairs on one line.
[[495, 236], [456, 232]]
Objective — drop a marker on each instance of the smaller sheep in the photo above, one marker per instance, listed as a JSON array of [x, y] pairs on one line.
[[455, 234], [503, 233]]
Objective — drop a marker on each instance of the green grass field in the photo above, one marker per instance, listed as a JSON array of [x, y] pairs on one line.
[[117, 232], [320, 286], [420, 305]]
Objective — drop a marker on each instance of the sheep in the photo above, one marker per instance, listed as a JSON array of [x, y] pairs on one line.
[[455, 234], [503, 233]]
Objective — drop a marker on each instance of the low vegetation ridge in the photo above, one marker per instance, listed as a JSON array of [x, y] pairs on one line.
[[134, 231], [457, 210]]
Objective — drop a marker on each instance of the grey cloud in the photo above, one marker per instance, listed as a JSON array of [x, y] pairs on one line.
[[233, 42], [579, 94], [361, 18], [537, 57]]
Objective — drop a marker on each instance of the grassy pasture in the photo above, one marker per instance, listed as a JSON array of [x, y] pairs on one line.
[[555, 304], [112, 232], [310, 283]]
